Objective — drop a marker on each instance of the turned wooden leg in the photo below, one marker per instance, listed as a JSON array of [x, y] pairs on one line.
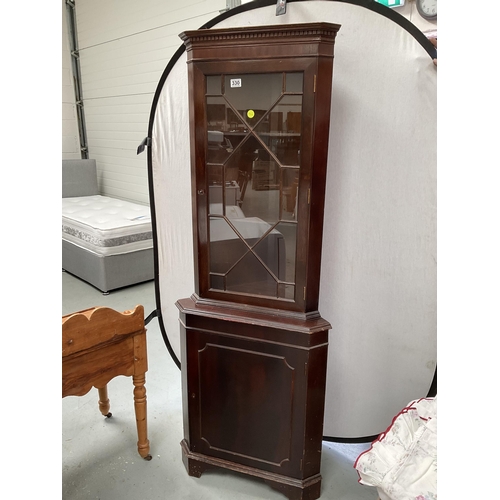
[[104, 401], [141, 415]]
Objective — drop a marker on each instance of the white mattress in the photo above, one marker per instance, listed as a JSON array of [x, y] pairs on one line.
[[232, 211], [250, 228], [106, 226]]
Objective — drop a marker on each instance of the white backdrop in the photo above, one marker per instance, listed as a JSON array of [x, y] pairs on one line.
[[378, 282]]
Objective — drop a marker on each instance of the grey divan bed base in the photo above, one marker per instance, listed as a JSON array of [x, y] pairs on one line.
[[105, 272]]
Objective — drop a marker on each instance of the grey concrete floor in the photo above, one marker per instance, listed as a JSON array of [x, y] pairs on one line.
[[99, 455]]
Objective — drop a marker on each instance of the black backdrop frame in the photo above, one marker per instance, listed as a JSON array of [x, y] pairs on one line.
[[256, 4]]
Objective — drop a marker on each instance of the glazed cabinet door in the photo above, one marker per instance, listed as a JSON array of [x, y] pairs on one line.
[[252, 151]]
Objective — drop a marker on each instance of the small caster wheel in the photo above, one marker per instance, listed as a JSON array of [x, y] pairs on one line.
[[109, 415], [148, 457]]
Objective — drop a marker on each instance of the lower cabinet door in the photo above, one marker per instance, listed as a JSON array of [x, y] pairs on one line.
[[248, 401]]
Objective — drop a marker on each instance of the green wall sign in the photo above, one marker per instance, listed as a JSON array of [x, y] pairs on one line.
[[391, 3]]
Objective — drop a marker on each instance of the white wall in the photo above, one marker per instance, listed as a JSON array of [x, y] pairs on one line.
[[70, 134]]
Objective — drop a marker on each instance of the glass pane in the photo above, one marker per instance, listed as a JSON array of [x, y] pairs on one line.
[[262, 194], [219, 147], [217, 282], [254, 94], [288, 238], [280, 129], [216, 113], [226, 247], [272, 251], [215, 199], [235, 124], [214, 84], [246, 150], [250, 276], [286, 291], [289, 193], [237, 174], [225, 201], [294, 82], [215, 183]]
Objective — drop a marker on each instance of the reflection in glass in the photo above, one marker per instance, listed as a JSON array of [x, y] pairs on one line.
[[286, 291], [294, 82], [289, 233], [250, 276], [253, 165], [215, 181], [255, 96], [214, 84], [226, 248], [289, 193], [280, 129]]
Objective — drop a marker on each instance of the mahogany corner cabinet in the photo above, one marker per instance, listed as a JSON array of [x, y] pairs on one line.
[[253, 344]]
